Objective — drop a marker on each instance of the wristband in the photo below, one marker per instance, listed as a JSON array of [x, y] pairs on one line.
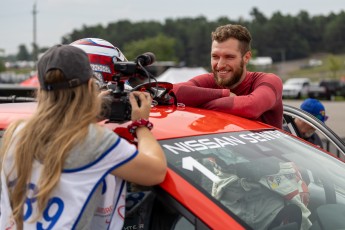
[[132, 128]]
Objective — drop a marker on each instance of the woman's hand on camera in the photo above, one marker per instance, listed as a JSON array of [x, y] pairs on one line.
[[104, 93], [142, 107]]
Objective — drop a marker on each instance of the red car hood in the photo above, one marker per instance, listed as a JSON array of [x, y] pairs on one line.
[[169, 121]]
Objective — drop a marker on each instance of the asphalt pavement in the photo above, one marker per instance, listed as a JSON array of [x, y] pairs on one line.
[[335, 110]]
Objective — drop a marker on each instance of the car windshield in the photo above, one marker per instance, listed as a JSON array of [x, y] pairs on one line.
[[261, 177]]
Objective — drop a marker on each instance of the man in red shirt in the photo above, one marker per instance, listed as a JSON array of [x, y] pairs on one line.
[[231, 88]]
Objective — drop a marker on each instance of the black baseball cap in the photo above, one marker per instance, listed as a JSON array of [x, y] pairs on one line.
[[72, 61]]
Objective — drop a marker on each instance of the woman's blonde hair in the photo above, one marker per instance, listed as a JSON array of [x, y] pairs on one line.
[[60, 122]]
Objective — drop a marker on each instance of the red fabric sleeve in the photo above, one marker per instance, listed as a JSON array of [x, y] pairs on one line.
[[199, 90], [264, 97]]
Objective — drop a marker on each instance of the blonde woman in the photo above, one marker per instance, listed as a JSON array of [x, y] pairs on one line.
[[58, 166]]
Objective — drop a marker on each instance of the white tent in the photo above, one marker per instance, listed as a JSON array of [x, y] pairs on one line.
[[176, 75], [261, 61]]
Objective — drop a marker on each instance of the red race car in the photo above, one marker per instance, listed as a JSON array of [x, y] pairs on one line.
[[228, 172]]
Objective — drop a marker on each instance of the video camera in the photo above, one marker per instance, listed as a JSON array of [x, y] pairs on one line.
[[120, 108]]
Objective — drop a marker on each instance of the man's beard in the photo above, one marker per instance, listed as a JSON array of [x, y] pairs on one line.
[[229, 82]]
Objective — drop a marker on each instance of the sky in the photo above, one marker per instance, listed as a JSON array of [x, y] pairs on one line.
[[57, 18]]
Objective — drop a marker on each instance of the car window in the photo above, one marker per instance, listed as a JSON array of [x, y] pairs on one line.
[[326, 138], [183, 224], [261, 177], [305, 84]]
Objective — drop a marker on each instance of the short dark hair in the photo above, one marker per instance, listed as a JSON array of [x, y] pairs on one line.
[[241, 33]]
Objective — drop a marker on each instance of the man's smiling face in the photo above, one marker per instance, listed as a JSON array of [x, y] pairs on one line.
[[227, 62]]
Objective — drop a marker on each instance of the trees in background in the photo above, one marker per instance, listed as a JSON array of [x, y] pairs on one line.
[[187, 40], [23, 54], [162, 46], [334, 64], [334, 35]]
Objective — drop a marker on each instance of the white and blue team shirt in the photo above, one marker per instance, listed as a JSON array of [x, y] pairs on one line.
[[69, 199]]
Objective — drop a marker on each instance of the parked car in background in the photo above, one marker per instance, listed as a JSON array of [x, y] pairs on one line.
[[334, 87], [342, 88], [296, 88], [327, 89], [315, 90]]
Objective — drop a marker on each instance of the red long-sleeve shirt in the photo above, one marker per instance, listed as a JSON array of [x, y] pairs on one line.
[[259, 96]]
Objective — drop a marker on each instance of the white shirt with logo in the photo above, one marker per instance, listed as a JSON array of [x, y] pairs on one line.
[[70, 197]]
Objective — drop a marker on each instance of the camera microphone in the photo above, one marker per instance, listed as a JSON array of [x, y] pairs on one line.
[[145, 59]]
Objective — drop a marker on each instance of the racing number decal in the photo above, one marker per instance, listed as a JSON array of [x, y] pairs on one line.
[[51, 213], [190, 163]]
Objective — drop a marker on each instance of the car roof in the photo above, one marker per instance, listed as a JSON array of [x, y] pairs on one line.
[[193, 121], [10, 112], [169, 121]]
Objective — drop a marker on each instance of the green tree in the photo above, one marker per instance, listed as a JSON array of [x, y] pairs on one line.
[[2, 65], [43, 49], [282, 37], [2, 60], [35, 50], [258, 30], [308, 30], [23, 54], [334, 65], [193, 38], [335, 34], [258, 17], [162, 46]]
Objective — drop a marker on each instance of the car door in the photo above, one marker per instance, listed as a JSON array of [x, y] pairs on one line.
[[157, 210], [331, 141]]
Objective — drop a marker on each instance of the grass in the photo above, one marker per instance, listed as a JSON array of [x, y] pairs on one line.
[[333, 67], [20, 70]]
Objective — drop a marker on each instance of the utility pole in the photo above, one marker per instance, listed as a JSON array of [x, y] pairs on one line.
[[34, 43]]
